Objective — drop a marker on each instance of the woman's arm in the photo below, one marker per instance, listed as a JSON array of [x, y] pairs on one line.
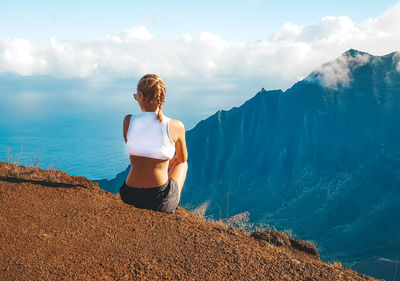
[[125, 126], [178, 135]]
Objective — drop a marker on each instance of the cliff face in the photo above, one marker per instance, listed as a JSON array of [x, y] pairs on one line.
[[322, 158], [54, 227]]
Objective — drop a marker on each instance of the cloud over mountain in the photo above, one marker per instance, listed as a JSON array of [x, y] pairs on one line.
[[292, 51]]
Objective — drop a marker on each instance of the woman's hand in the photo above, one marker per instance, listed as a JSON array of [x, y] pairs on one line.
[[172, 162]]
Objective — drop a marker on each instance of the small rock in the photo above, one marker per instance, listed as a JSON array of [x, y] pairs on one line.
[[295, 261]]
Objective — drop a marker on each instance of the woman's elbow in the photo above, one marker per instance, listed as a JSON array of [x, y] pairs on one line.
[[182, 158]]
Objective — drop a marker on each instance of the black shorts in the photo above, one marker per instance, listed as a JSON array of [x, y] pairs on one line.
[[163, 198]]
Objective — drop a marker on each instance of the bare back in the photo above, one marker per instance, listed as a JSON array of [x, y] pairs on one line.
[[150, 172]]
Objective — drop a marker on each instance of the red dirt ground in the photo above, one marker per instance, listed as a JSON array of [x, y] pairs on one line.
[[57, 227]]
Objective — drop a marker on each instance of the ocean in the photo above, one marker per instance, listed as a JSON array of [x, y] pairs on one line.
[[80, 143], [69, 124]]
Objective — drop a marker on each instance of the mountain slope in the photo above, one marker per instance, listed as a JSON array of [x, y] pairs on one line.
[[58, 227]]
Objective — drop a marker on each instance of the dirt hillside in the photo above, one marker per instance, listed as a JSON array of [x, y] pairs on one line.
[[59, 227]]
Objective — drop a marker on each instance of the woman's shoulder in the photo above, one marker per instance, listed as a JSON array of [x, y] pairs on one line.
[[127, 119], [176, 127], [130, 117], [177, 124], [125, 126]]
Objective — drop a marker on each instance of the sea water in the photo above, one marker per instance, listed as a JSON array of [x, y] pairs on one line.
[[70, 125], [87, 144]]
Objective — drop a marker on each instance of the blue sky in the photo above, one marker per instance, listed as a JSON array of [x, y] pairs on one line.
[[246, 20]]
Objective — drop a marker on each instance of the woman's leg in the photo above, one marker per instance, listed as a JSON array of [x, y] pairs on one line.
[[178, 173]]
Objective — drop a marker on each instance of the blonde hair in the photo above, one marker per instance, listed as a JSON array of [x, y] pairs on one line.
[[153, 88]]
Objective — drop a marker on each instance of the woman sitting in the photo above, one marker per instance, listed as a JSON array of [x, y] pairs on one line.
[[157, 174]]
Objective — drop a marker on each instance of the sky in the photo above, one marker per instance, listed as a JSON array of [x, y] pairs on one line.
[[218, 53], [235, 21]]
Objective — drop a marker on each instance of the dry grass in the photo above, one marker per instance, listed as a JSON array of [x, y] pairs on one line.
[[219, 223], [200, 211], [336, 264], [242, 223], [14, 168], [289, 233], [53, 175], [18, 171], [12, 165]]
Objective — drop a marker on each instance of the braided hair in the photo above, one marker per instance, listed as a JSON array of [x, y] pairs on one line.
[[153, 88]]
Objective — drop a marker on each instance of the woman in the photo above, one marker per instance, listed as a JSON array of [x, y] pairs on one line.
[[157, 148]]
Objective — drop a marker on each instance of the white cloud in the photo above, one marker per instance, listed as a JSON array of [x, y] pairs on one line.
[[139, 32], [19, 56], [135, 33], [388, 22], [397, 58], [287, 31], [337, 73], [290, 53], [187, 37], [66, 59]]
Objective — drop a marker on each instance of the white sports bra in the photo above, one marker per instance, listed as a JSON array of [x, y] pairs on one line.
[[148, 137]]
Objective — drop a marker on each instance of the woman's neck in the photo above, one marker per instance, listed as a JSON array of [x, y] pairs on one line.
[[145, 110], [149, 109]]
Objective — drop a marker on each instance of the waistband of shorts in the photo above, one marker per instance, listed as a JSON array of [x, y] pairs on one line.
[[149, 189]]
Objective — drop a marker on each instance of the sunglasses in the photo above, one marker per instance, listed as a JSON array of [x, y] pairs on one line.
[[136, 95]]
